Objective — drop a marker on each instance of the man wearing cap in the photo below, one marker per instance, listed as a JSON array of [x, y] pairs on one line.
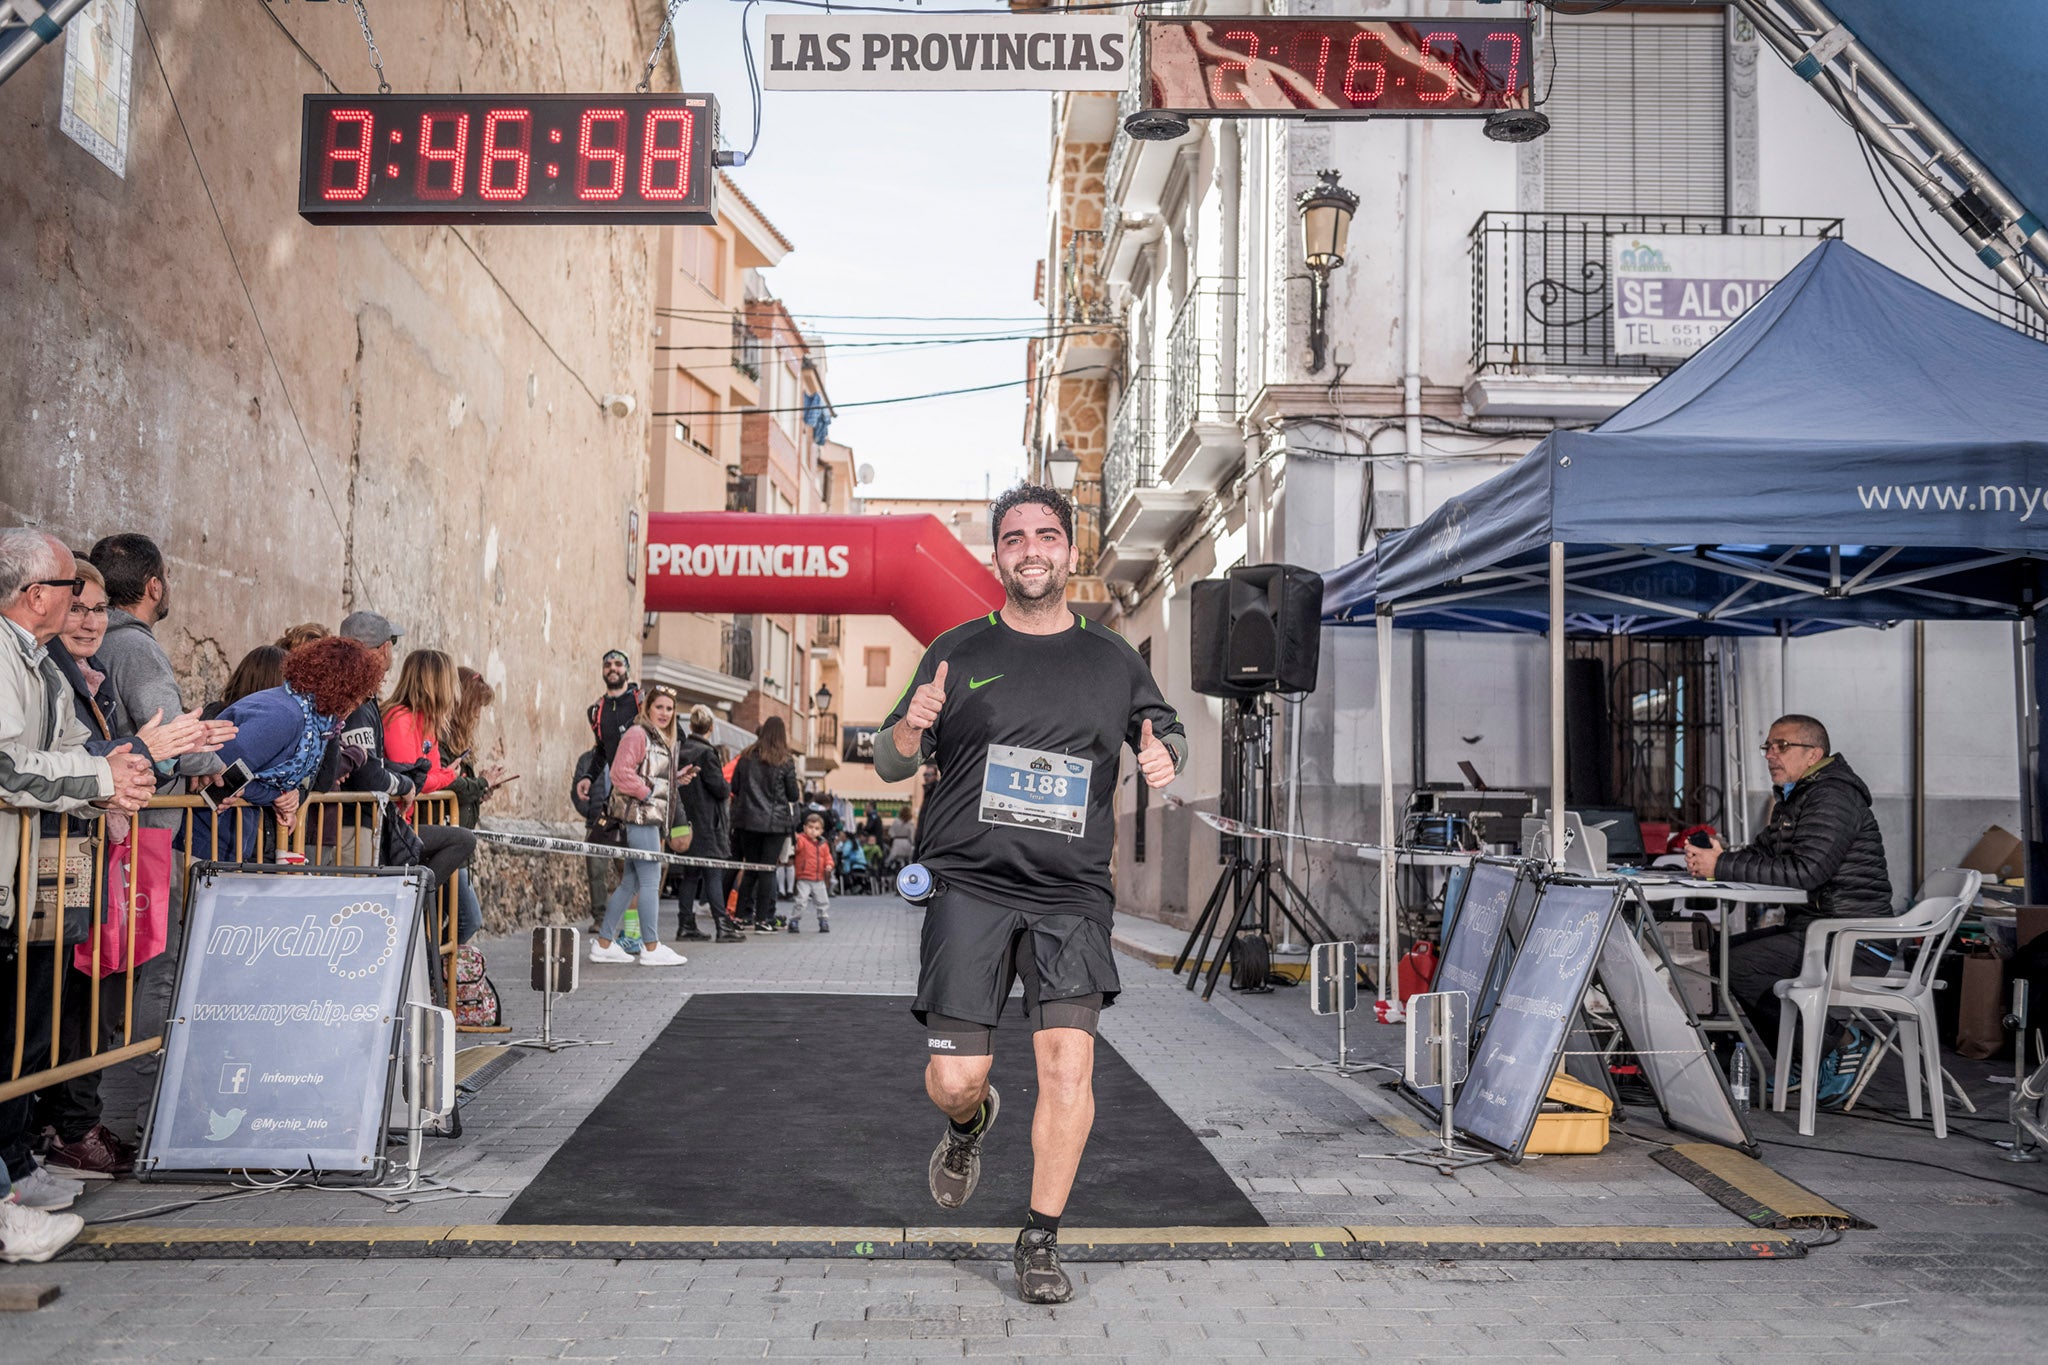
[[610, 716], [361, 738], [354, 762]]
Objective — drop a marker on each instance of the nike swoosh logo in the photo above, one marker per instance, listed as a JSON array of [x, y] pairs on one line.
[[974, 683]]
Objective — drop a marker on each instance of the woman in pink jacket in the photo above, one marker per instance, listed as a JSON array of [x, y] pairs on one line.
[[645, 777]]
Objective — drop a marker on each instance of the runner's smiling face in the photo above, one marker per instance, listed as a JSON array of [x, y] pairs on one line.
[[1033, 555]]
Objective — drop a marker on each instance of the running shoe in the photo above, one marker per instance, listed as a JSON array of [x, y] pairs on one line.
[[1040, 1279], [1851, 1051], [600, 953], [661, 955], [796, 926], [1841, 1067], [29, 1234], [1835, 1084], [99, 1155], [41, 1189], [824, 926], [955, 1167]]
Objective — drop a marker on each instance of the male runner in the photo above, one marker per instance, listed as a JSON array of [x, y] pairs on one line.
[[610, 716], [1025, 712]]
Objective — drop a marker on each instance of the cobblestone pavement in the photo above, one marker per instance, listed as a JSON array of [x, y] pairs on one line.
[[1954, 1268]]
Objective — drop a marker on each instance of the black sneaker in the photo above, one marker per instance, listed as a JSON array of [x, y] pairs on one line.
[[795, 928], [955, 1167], [694, 936], [1039, 1276], [824, 926]]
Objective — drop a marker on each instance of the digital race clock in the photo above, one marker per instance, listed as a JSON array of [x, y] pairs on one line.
[[507, 158], [1241, 66]]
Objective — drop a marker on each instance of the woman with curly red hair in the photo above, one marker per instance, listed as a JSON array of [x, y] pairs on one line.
[[283, 732]]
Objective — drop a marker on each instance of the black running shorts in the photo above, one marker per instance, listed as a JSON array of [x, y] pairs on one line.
[[972, 952]]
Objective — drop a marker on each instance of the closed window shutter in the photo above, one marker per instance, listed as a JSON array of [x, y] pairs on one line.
[[1637, 117]]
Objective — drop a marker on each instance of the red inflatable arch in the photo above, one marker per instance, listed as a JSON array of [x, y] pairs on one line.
[[911, 568]]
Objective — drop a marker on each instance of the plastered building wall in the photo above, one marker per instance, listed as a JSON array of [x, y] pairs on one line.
[[405, 419]]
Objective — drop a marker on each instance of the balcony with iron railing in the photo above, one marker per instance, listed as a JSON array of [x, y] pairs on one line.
[[825, 740], [1141, 514], [742, 492], [736, 650], [1084, 294], [1543, 299], [1121, 143], [746, 349], [1133, 458], [1201, 441], [827, 632]]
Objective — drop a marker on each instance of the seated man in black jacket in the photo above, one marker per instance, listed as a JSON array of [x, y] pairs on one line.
[[1822, 838]]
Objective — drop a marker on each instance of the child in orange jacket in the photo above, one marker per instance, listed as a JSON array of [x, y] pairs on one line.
[[813, 874]]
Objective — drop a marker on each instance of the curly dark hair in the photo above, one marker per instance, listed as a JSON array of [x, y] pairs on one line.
[[338, 673], [1030, 494]]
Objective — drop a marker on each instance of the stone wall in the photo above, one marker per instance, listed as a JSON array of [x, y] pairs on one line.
[[401, 418]]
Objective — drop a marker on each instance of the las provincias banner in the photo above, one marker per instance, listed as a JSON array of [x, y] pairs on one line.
[[946, 52], [912, 568]]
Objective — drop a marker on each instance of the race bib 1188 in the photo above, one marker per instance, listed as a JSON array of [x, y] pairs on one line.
[[1034, 789]]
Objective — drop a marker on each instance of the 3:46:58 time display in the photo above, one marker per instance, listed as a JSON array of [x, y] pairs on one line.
[[473, 159]]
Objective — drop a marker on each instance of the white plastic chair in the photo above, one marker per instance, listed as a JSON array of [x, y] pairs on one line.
[[1828, 980]]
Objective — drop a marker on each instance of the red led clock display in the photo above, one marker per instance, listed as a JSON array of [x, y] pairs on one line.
[[1242, 66], [507, 159]]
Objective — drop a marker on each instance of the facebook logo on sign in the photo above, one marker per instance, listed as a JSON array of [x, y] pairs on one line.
[[234, 1078]]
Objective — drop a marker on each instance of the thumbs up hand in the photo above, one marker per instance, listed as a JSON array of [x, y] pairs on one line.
[[925, 705], [1155, 760]]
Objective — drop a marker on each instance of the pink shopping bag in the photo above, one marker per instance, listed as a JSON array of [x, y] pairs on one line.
[[152, 903]]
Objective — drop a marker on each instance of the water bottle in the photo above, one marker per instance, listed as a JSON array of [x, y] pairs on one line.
[[1738, 1077], [915, 883]]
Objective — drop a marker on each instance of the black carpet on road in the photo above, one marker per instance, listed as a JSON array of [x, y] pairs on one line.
[[785, 1110]]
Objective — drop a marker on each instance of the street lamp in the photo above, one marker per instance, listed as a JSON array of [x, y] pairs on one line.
[[1325, 227], [1063, 467], [822, 699]]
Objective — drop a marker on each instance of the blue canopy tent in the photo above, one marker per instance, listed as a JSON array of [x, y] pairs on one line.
[[1855, 449]]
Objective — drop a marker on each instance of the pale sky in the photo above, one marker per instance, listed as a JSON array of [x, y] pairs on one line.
[[915, 205]]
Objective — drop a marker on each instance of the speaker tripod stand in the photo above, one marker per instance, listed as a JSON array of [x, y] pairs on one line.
[[1253, 888]]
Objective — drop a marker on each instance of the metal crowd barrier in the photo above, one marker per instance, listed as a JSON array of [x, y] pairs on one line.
[[66, 874]]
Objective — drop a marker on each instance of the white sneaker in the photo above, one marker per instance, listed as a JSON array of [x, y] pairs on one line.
[[39, 1189], [600, 953], [661, 955], [28, 1234]]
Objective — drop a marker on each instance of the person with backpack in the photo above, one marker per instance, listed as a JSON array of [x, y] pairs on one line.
[[705, 804], [765, 804], [645, 776]]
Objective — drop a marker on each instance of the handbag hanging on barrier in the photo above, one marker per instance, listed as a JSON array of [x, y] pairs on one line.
[[75, 877], [151, 849]]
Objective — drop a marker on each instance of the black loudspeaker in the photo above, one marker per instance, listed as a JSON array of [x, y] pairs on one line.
[[1257, 629], [1588, 735]]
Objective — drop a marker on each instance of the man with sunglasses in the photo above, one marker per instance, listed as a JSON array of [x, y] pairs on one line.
[[1821, 837], [45, 765]]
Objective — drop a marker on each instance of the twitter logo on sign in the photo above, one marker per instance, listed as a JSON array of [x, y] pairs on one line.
[[221, 1127]]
